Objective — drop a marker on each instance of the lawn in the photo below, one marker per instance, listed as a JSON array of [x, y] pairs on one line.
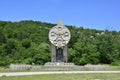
[[66, 77]]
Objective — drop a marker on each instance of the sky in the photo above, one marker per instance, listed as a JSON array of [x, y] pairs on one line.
[[93, 14]]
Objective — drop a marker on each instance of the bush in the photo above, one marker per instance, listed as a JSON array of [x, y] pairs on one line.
[[116, 63], [4, 63], [26, 43]]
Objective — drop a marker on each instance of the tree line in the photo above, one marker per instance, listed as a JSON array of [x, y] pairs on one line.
[[26, 42]]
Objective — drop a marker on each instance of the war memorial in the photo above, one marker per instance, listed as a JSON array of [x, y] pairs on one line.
[[59, 36]]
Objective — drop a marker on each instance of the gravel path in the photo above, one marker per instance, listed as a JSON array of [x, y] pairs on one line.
[[53, 72]]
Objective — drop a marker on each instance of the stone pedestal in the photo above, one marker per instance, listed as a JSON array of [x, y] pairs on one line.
[[59, 54], [58, 64]]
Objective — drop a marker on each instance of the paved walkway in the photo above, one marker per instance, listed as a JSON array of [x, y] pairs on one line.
[[53, 72]]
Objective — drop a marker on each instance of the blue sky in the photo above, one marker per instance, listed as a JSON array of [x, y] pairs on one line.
[[94, 14]]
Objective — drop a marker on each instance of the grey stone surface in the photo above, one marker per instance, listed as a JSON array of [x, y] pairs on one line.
[[20, 67], [58, 64], [59, 37]]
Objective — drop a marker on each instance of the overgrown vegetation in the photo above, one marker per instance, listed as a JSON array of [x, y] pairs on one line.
[[26, 42]]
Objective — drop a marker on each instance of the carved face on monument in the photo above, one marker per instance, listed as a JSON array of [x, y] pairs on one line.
[[59, 36]]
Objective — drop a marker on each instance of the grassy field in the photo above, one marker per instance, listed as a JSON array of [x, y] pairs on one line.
[[66, 77]]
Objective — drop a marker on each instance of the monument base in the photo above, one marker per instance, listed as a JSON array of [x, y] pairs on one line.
[[58, 64]]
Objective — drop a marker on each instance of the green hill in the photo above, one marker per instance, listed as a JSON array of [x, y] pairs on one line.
[[27, 42]]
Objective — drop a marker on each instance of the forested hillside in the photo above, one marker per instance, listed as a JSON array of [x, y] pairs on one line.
[[26, 42]]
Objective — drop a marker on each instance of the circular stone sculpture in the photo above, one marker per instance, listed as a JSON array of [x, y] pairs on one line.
[[59, 36]]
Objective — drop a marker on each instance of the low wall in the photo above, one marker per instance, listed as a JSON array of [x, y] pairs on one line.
[[20, 67], [59, 67]]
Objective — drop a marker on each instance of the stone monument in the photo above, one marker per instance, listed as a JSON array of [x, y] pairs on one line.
[[59, 37]]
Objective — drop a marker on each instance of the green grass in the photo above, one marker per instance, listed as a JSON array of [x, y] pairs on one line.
[[114, 68], [66, 77], [3, 69]]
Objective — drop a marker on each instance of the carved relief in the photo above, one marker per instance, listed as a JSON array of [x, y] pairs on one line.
[[59, 36]]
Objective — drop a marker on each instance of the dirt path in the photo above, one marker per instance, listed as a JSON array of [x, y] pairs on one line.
[[53, 72]]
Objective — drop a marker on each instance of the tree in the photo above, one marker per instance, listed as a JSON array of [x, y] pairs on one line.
[[2, 37], [26, 43], [43, 54]]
